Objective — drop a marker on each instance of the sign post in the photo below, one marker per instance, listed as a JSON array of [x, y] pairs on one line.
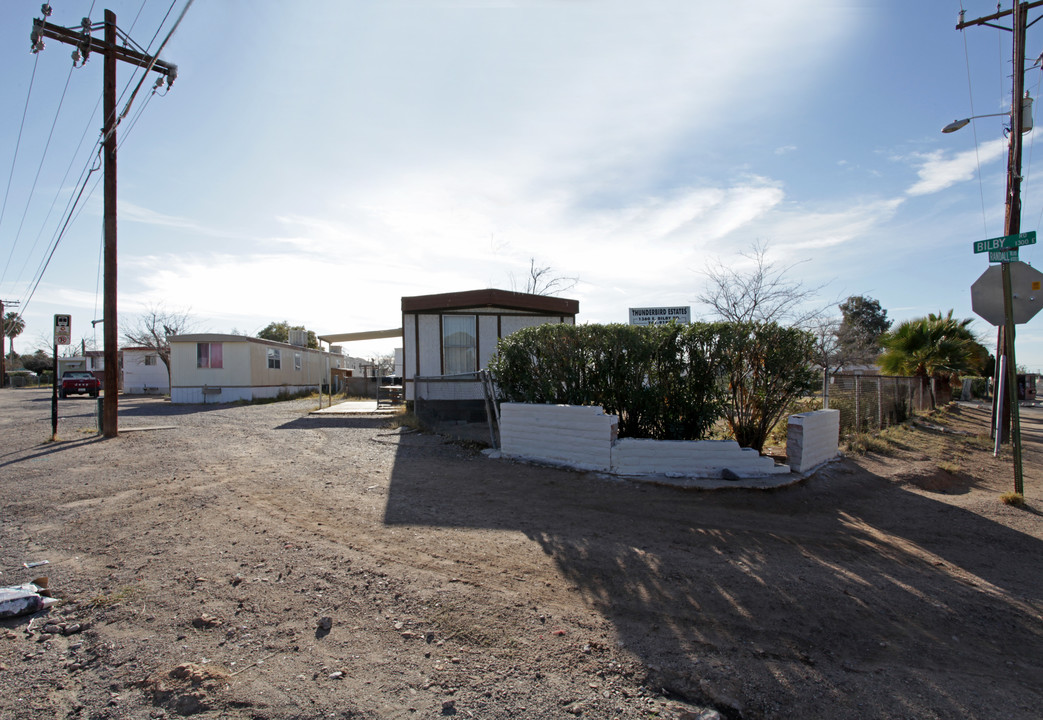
[[1007, 300], [62, 336]]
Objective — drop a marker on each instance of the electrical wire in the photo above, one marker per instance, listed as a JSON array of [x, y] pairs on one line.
[[974, 131], [142, 7], [39, 169], [134, 121], [18, 144], [155, 57], [75, 208], [58, 239], [61, 185]]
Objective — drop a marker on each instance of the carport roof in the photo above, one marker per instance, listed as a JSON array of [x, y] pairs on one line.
[[363, 335]]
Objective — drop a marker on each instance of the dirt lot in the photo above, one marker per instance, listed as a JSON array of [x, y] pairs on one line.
[[196, 564]]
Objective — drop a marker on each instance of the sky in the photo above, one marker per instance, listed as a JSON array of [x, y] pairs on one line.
[[316, 162]]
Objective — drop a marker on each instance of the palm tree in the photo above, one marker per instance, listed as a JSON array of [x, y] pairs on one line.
[[13, 327], [937, 346]]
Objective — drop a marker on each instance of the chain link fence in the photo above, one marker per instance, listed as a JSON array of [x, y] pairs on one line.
[[874, 402]]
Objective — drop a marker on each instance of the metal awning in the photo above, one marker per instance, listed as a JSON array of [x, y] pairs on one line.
[[365, 335]]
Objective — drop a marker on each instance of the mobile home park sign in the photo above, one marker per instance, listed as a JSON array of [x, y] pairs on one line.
[[660, 315]]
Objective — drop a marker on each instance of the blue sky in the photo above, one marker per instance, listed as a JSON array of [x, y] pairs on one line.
[[315, 162]]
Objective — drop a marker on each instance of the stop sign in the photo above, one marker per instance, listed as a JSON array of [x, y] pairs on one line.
[[1025, 283]]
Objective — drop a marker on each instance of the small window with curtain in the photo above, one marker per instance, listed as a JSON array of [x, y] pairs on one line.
[[460, 343], [150, 359], [297, 361], [209, 355], [274, 359]]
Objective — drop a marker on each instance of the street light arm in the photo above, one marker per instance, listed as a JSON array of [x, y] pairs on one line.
[[957, 124]]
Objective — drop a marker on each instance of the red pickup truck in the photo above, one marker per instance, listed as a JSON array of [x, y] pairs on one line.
[[78, 382]]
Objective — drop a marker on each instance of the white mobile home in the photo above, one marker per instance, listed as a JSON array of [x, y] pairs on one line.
[[144, 372], [212, 368], [456, 333]]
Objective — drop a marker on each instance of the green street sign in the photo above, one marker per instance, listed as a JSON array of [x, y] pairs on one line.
[[1005, 242], [1003, 255]]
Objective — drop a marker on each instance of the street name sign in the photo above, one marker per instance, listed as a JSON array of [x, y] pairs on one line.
[[1003, 255], [62, 329], [1005, 242], [1027, 298]]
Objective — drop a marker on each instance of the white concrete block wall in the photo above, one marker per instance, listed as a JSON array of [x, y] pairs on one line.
[[812, 438], [572, 435], [585, 438], [701, 458]]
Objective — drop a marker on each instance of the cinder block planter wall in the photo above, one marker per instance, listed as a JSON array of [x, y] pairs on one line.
[[812, 438], [695, 458], [585, 438], [573, 435]]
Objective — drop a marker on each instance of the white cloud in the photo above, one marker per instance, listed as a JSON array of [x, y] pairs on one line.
[[130, 212], [938, 170]]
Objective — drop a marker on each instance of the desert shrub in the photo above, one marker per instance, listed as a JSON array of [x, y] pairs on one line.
[[766, 367], [662, 381], [669, 382]]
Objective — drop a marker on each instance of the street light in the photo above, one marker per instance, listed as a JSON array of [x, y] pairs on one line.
[[1026, 117], [1019, 125]]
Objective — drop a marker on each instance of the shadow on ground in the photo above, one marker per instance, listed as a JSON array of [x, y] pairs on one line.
[[771, 604]]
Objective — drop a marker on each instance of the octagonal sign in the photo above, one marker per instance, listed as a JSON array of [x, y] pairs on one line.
[[1026, 284]]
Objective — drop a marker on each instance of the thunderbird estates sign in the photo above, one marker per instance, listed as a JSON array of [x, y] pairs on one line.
[[660, 315]]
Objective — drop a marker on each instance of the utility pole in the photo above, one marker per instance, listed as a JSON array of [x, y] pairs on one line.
[[1008, 405], [112, 52], [3, 337]]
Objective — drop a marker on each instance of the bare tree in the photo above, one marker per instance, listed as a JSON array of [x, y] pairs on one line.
[[384, 364], [154, 328], [764, 293], [544, 281]]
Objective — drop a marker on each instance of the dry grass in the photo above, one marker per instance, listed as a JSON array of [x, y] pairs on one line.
[[1014, 499], [405, 419]]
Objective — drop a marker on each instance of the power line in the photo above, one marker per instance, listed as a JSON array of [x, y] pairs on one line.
[[74, 207], [58, 239], [113, 53], [39, 169], [61, 185], [974, 130], [18, 142]]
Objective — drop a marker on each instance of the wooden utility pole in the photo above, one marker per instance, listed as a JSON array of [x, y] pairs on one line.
[[1007, 403], [112, 51]]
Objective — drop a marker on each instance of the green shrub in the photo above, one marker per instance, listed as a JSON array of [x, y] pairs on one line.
[[662, 381], [669, 382], [766, 367]]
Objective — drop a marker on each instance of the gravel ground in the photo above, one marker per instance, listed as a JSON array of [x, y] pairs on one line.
[[254, 562]]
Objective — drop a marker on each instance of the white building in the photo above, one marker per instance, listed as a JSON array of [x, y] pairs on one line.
[[456, 333], [144, 373], [213, 368]]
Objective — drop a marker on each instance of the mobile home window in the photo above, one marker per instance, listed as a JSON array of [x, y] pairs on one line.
[[459, 343], [150, 359], [274, 359], [209, 355], [296, 361]]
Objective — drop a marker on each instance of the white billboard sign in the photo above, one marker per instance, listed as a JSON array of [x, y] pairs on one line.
[[660, 315]]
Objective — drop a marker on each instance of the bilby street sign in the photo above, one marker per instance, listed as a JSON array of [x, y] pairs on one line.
[[1005, 242]]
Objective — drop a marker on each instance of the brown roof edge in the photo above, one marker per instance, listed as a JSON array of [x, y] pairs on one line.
[[490, 298]]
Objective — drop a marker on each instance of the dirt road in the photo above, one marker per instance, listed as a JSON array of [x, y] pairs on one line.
[[253, 562]]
